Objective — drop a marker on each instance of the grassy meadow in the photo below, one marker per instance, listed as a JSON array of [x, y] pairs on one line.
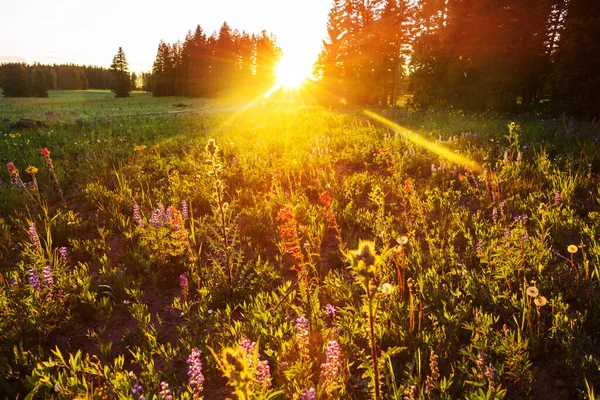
[[64, 105], [298, 252]]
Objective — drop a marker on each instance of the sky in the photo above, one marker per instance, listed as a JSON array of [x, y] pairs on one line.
[[85, 32]]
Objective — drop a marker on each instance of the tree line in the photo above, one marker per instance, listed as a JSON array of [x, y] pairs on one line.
[[226, 63], [468, 54], [25, 80]]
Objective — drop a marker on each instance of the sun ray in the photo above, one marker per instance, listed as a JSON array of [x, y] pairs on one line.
[[426, 144]]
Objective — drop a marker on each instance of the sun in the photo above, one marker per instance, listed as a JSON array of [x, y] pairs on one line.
[[291, 74]]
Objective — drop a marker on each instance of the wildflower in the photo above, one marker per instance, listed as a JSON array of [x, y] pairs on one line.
[[137, 216], [572, 249], [519, 157], [556, 198], [137, 390], [411, 393], [408, 185], [158, 216], [183, 282], [12, 171], [139, 147], [480, 362], [13, 281], [494, 214], [331, 368], [31, 170], [211, 147], [479, 247], [288, 232], [195, 371], [506, 233], [184, 209], [386, 289], [505, 160], [330, 310], [540, 301], [490, 373], [403, 240], [501, 205], [532, 291], [33, 236], [308, 394], [63, 253], [302, 330], [165, 393], [34, 279], [48, 278], [262, 372], [435, 373], [525, 238]]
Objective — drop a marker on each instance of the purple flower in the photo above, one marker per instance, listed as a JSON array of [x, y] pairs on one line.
[[183, 282], [165, 393], [330, 310], [331, 368], [137, 216], [308, 394], [12, 280], [501, 205], [184, 209], [157, 217], [262, 373], [506, 233], [63, 253], [494, 214], [33, 236], [557, 198], [525, 238], [479, 247], [48, 278], [195, 371], [34, 279], [137, 391], [302, 330]]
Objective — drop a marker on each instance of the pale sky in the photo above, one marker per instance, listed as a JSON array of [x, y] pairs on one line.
[[86, 32]]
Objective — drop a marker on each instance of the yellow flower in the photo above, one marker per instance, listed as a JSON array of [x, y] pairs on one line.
[[572, 249], [31, 170], [139, 148]]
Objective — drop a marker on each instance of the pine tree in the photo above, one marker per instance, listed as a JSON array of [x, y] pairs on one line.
[[120, 72], [576, 80], [133, 85], [40, 88], [15, 81]]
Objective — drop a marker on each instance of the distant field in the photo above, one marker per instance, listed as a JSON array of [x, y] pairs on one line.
[[85, 104]]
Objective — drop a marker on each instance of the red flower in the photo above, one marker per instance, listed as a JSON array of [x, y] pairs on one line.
[[408, 185], [45, 152]]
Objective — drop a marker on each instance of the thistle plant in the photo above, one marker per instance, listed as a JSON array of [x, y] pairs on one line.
[[249, 376], [224, 241], [366, 267]]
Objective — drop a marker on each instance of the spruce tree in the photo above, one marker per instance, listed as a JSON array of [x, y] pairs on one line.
[[120, 71]]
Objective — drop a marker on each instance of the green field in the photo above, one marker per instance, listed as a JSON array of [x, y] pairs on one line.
[[85, 104], [358, 258]]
